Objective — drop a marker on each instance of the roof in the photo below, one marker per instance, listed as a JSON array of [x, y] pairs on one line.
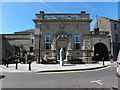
[[112, 19], [25, 31]]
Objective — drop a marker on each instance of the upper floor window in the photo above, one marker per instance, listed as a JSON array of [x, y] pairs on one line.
[[116, 37], [47, 41], [31, 49], [76, 40], [32, 40], [115, 26]]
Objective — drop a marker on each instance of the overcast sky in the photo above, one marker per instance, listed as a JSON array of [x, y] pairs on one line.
[[17, 16]]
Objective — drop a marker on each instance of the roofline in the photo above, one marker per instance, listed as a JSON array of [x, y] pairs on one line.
[[111, 19], [64, 14]]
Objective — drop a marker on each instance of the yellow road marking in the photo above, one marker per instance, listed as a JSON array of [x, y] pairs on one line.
[[72, 71]]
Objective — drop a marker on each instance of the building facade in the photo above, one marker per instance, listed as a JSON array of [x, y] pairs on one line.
[[67, 31], [113, 28], [70, 31]]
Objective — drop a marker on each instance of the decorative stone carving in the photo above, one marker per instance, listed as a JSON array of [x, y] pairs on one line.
[[62, 26], [62, 35]]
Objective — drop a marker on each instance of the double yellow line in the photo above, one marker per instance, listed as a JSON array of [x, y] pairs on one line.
[[73, 71]]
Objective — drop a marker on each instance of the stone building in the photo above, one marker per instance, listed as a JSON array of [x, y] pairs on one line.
[[113, 28], [70, 31]]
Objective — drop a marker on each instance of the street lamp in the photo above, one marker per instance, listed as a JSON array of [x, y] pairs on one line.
[[39, 44]]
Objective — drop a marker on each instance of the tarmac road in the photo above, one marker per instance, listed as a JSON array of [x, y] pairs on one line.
[[105, 78]]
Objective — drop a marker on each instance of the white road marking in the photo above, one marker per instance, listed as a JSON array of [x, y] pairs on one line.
[[97, 81]]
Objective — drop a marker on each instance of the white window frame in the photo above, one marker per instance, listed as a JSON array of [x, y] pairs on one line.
[[76, 35], [49, 35]]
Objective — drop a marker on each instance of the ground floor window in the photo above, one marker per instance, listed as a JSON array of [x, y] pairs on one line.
[[47, 46], [76, 46]]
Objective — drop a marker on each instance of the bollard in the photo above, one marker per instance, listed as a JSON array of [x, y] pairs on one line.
[[16, 65], [29, 62], [103, 61], [7, 64]]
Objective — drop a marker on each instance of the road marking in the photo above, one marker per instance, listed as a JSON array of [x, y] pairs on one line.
[[72, 71], [97, 81]]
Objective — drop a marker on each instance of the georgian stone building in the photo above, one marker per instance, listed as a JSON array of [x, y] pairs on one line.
[[70, 31], [67, 31]]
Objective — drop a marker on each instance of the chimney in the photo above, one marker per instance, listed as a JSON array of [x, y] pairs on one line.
[[83, 12], [41, 12]]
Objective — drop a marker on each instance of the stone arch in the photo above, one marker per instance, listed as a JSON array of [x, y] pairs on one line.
[[100, 52]]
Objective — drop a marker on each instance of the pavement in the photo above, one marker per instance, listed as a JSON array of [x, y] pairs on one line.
[[52, 67]]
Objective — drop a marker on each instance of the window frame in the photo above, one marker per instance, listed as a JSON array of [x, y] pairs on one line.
[[76, 40], [47, 41]]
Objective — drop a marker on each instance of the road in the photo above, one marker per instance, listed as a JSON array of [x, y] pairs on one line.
[[105, 78]]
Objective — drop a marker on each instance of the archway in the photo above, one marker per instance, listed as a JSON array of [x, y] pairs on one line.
[[100, 52]]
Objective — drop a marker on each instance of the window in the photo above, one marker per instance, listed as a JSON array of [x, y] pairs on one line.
[[31, 49], [32, 40], [115, 26], [116, 37], [76, 41], [47, 41]]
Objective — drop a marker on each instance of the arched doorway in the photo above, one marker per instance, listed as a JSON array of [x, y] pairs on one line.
[[100, 52]]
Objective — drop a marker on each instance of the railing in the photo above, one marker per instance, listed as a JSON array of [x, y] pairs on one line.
[[62, 16]]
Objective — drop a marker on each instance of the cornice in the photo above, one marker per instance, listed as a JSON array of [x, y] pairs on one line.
[[62, 20]]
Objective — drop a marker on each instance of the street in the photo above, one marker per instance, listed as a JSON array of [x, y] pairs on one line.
[[105, 78]]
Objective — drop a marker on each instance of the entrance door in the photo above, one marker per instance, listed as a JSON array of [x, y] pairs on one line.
[[100, 52], [64, 53]]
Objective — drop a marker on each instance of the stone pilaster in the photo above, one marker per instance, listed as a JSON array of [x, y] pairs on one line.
[[70, 43], [54, 42]]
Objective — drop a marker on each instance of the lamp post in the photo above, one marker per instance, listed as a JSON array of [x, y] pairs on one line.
[[39, 44]]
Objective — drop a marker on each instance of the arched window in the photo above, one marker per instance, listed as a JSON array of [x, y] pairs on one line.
[[76, 40], [47, 41]]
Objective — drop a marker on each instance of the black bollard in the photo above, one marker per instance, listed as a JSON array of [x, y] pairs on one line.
[[103, 61], [16, 65], [29, 62], [7, 64]]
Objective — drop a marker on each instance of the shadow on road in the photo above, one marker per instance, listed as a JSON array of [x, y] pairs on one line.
[[2, 76]]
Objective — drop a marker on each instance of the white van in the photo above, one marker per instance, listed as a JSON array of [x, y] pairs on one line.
[[118, 65]]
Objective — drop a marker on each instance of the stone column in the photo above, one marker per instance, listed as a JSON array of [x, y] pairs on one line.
[[70, 43], [53, 48], [69, 48], [54, 42]]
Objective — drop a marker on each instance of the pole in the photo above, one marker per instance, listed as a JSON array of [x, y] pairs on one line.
[[103, 61], [7, 63], [16, 63], [39, 45], [29, 64]]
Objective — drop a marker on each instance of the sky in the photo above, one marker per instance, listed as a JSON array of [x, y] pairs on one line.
[[17, 16]]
